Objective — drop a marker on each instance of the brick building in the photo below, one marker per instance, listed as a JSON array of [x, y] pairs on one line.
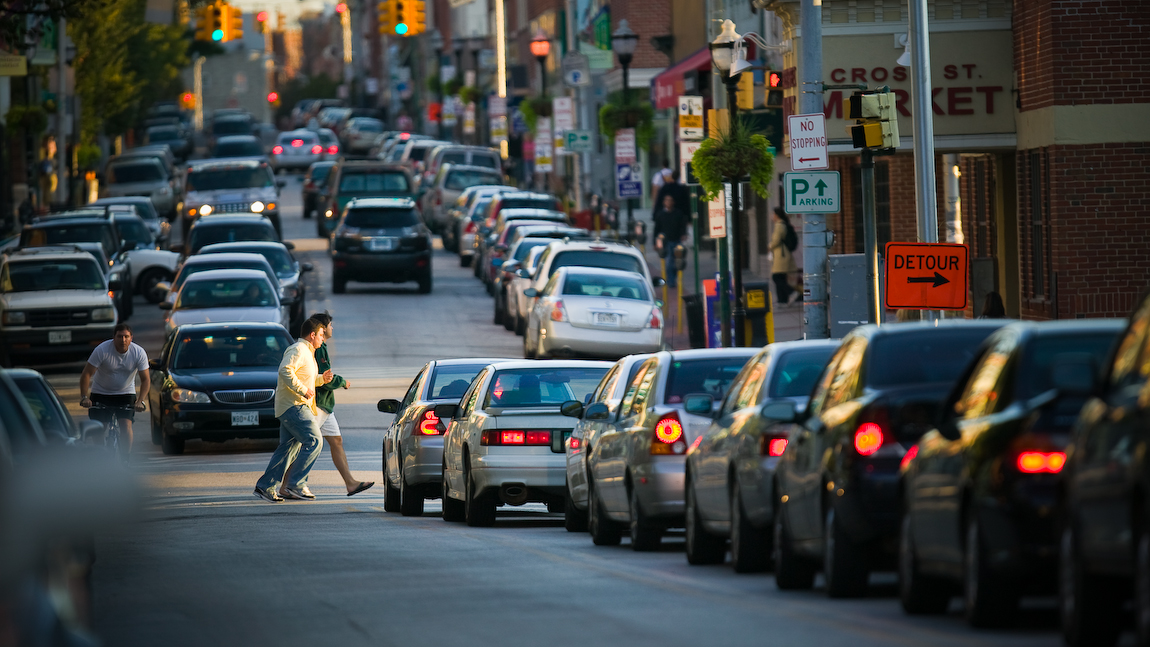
[[1043, 109]]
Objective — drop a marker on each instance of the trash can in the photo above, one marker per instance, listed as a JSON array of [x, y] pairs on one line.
[[696, 327], [760, 324]]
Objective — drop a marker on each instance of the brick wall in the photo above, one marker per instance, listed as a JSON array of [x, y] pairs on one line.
[[647, 18]]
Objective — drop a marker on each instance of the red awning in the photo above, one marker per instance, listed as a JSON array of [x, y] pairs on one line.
[[669, 82]]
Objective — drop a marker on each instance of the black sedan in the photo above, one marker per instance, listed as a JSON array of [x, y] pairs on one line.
[[1105, 546], [216, 382], [980, 490], [838, 503]]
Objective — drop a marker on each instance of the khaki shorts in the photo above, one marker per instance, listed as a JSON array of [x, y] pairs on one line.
[[327, 424]]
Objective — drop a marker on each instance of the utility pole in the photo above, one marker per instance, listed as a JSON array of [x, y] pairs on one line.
[[814, 224], [926, 200], [61, 116], [870, 236]]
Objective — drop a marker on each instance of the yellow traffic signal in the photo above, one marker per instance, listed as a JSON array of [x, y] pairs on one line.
[[402, 25], [216, 20], [745, 95], [204, 23], [187, 101], [876, 123], [386, 12], [417, 17], [233, 23]]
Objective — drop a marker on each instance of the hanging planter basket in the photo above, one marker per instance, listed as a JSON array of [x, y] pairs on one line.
[[735, 153], [641, 117], [533, 109]]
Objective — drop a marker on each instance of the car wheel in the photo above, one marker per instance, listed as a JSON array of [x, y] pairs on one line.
[[574, 519], [425, 283], [410, 501], [308, 207], [464, 261], [1091, 611], [645, 535], [750, 546], [604, 531], [475, 268], [171, 445], [920, 594], [157, 430], [390, 494], [508, 320], [528, 352], [702, 547], [480, 510], [792, 572], [338, 285], [520, 325], [990, 601], [5, 358], [498, 318], [844, 565], [146, 285], [453, 509]]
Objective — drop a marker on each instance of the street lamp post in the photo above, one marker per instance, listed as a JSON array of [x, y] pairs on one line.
[[723, 56], [437, 45], [540, 48], [623, 42], [476, 46]]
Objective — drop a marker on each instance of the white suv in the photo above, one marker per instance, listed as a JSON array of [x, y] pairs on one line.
[[53, 303]]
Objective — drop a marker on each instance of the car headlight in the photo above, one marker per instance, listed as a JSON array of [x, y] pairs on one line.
[[205, 210], [189, 396], [257, 207], [104, 314], [166, 190], [15, 318]]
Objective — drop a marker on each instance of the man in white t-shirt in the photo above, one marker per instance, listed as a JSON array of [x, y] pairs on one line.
[[109, 378]]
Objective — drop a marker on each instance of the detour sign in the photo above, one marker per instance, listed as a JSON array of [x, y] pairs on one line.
[[926, 276]]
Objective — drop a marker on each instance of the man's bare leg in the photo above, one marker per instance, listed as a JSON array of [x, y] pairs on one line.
[[125, 437], [339, 457]]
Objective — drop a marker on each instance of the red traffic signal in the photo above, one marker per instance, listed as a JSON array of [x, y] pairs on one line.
[[273, 97], [773, 79], [262, 16], [341, 7]]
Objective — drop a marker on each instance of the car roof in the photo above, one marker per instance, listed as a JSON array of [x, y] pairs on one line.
[[230, 219], [125, 199], [871, 330], [1068, 326], [603, 271], [526, 194], [51, 251], [368, 165], [224, 257], [227, 139], [23, 373], [544, 364], [518, 211], [230, 325], [395, 203], [800, 344], [79, 219], [597, 245], [216, 275], [457, 361], [238, 162], [243, 243]]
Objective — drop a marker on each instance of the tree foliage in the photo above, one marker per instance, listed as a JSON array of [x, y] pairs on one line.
[[320, 86], [23, 22]]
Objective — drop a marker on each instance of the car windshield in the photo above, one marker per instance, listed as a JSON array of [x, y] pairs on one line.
[[591, 258], [373, 182], [298, 139], [528, 203], [381, 218], [368, 126], [165, 135], [42, 402], [922, 356], [134, 230], [227, 293], [30, 276], [460, 180], [134, 172], [712, 375], [187, 271], [319, 174], [1041, 356], [239, 149], [202, 235], [258, 348], [231, 127], [524, 248], [240, 177], [276, 256], [64, 234], [484, 160], [450, 382], [796, 372], [615, 286], [532, 387]]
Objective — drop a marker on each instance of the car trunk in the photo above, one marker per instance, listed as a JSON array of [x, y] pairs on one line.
[[535, 419], [600, 313]]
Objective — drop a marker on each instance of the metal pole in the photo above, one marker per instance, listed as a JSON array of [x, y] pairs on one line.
[[627, 101], [739, 313], [61, 116], [815, 224], [926, 200], [697, 235], [870, 236], [198, 83], [434, 73], [724, 291]]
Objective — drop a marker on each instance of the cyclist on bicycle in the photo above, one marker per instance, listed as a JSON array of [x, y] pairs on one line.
[[109, 379]]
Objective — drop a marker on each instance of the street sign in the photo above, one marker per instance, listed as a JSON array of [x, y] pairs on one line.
[[808, 137], [812, 192], [717, 215], [926, 276], [576, 69], [628, 181], [690, 117], [498, 129], [469, 119], [497, 106], [563, 111], [599, 59], [686, 152], [578, 141], [543, 145], [625, 146]]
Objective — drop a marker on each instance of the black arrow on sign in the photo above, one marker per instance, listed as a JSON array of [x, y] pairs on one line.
[[937, 279]]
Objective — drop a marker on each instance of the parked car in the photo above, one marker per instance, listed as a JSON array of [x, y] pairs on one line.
[[1104, 549], [413, 152], [355, 180], [635, 470], [289, 272], [459, 154], [296, 149], [516, 256], [56, 422], [506, 441], [142, 176], [521, 278], [839, 503], [381, 240], [459, 218], [315, 185], [981, 489], [413, 442], [216, 382], [242, 146], [229, 229], [226, 296], [237, 186], [494, 246], [447, 185], [730, 472], [520, 200]]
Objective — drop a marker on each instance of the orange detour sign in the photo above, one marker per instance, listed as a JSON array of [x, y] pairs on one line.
[[926, 276]]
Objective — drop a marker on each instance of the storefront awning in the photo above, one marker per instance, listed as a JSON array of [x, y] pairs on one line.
[[669, 85]]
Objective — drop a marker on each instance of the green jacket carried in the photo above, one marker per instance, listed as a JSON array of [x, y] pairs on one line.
[[325, 395]]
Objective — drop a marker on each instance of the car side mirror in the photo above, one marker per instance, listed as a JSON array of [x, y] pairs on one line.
[[658, 282], [784, 411], [288, 244], [446, 410], [699, 404], [388, 406], [523, 273], [531, 292], [306, 267], [154, 364], [1074, 374], [115, 286], [281, 183], [572, 409], [596, 411], [165, 305], [129, 246]]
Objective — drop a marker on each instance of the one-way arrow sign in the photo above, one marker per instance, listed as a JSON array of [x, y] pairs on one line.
[[937, 279]]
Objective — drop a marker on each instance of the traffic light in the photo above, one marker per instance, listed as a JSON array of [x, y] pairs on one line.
[[274, 98], [204, 23], [773, 92], [386, 12], [216, 12], [876, 120], [188, 101], [417, 17], [233, 23], [262, 22], [745, 95], [402, 26]]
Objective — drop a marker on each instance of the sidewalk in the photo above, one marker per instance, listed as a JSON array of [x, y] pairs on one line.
[[788, 318]]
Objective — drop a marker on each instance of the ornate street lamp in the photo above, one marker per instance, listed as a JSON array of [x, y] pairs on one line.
[[723, 55], [623, 43], [540, 48]]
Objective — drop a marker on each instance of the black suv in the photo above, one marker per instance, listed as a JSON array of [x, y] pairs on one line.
[[381, 240]]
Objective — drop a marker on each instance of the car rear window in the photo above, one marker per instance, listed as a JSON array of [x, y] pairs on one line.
[[532, 387], [31, 276], [419, 152], [453, 158], [319, 174], [381, 218], [227, 293], [304, 139], [712, 375], [239, 149], [380, 181], [64, 234], [451, 382], [134, 172], [590, 258], [922, 356], [617, 286], [459, 180], [249, 349], [1042, 354], [371, 126], [524, 248], [489, 161], [528, 203], [796, 372], [206, 235], [233, 127]]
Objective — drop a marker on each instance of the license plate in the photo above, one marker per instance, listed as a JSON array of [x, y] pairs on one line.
[[245, 418], [59, 337], [606, 319], [381, 244]]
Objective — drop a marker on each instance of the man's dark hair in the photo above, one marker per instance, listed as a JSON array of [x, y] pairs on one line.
[[675, 175], [666, 162], [310, 326], [322, 317], [121, 326]]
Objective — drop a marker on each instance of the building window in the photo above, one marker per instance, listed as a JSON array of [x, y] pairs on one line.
[[1038, 225], [882, 205]]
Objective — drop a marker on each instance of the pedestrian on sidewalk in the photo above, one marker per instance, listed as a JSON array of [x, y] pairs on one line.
[[299, 427], [784, 240], [671, 226], [660, 177], [325, 402], [676, 190]]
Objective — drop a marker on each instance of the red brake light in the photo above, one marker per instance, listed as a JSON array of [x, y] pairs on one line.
[[316, 150], [296, 143], [429, 426], [332, 150], [512, 438], [516, 437], [668, 437], [575, 443], [868, 438], [772, 446], [908, 457], [404, 136], [656, 319], [278, 150], [1041, 462]]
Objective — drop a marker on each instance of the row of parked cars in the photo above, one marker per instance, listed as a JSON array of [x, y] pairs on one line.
[[982, 460]]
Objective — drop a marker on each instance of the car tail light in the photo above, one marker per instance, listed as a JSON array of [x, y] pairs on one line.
[[309, 185], [558, 312], [316, 150], [575, 443], [296, 143], [908, 457], [668, 436], [278, 150], [1033, 462], [772, 446], [429, 426], [868, 438], [332, 150], [516, 437], [471, 228], [656, 319]]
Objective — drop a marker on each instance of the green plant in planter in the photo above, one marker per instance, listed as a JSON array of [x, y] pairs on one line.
[[451, 88], [87, 156], [734, 153], [433, 83], [640, 116], [533, 109], [469, 94]]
